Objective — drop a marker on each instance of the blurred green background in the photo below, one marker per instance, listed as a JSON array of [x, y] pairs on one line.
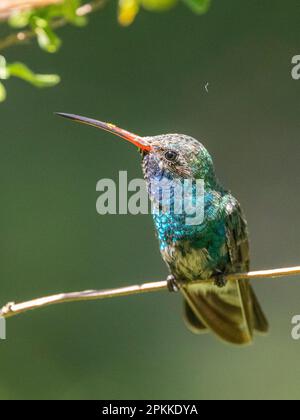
[[149, 78]]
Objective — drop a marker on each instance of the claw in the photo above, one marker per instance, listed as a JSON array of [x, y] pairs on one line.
[[220, 280], [172, 284]]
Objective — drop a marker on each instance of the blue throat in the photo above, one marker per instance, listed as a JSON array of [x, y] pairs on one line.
[[172, 227]]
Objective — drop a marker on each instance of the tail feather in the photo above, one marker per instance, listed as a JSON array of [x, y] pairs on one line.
[[192, 321], [261, 323], [232, 313]]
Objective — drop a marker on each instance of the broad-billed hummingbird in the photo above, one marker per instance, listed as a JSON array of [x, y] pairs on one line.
[[217, 246]]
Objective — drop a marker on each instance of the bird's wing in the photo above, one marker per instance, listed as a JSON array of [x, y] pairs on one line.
[[227, 311], [238, 248]]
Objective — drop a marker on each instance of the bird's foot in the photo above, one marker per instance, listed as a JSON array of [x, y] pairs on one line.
[[220, 280], [172, 284]]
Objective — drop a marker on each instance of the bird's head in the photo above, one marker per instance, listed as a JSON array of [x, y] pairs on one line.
[[177, 156], [173, 156]]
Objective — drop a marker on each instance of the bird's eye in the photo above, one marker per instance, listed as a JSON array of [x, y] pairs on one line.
[[171, 156]]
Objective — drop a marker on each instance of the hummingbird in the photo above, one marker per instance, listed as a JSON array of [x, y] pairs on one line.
[[217, 246]]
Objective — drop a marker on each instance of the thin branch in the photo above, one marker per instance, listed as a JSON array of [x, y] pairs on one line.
[[12, 309], [22, 36], [8, 7]]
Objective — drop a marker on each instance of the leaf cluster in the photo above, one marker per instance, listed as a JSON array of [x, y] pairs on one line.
[[40, 19]]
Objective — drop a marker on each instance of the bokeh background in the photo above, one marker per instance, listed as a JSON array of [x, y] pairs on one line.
[[149, 78]]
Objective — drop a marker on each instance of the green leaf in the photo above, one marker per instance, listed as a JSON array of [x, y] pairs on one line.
[[2, 92], [47, 39], [66, 10], [19, 19], [69, 9], [38, 80], [4, 73], [198, 6]]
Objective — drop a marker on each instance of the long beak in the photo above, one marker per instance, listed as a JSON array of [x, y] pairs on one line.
[[132, 138]]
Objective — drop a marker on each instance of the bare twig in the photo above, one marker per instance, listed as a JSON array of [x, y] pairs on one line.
[[22, 36], [12, 309]]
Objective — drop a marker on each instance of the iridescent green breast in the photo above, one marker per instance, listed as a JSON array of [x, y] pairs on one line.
[[194, 252]]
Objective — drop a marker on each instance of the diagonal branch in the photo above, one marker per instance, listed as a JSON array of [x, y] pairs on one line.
[[12, 309], [22, 36], [8, 7]]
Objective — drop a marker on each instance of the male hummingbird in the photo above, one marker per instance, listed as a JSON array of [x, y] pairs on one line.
[[217, 246]]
